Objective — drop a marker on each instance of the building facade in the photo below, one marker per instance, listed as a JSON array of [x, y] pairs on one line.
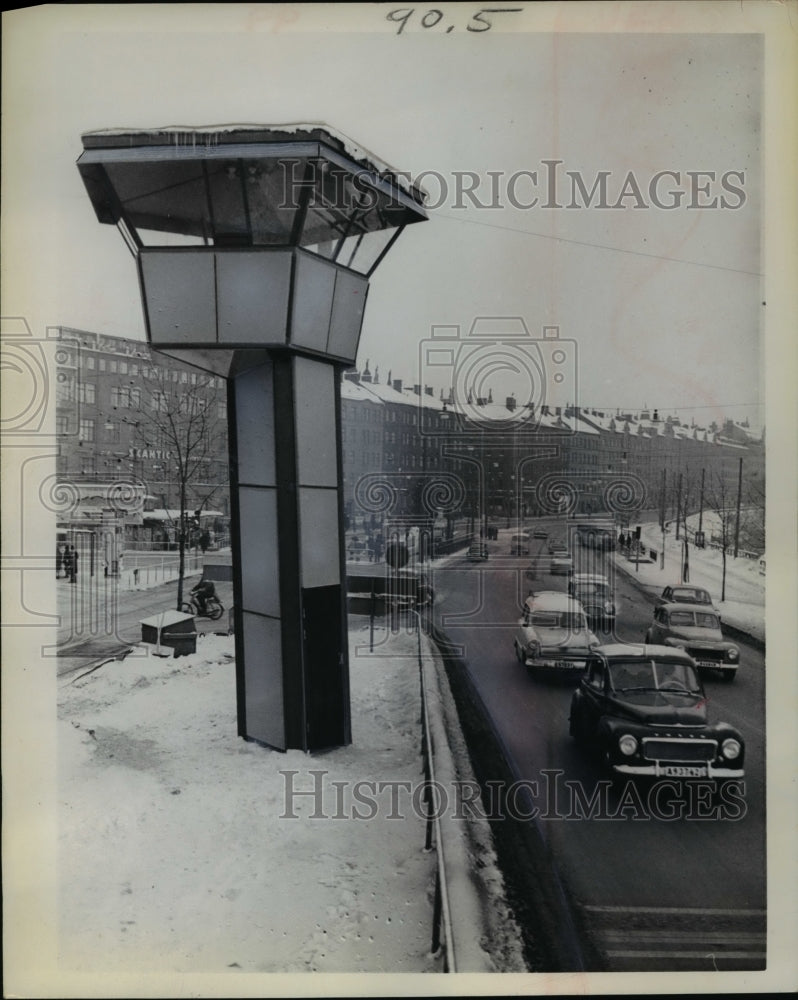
[[144, 436]]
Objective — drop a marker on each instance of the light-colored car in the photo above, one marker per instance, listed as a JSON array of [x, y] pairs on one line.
[[477, 552], [697, 631], [562, 564], [540, 533], [553, 633]]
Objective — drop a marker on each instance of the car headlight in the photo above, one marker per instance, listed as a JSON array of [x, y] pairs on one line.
[[627, 744], [676, 643], [732, 653], [731, 748], [533, 648]]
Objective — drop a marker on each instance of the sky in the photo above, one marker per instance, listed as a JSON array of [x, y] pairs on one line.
[[659, 306]]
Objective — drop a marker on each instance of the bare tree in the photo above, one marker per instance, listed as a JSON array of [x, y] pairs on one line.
[[181, 416], [720, 499]]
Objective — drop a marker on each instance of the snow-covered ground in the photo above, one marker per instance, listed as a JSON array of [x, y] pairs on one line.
[[744, 606], [177, 852]]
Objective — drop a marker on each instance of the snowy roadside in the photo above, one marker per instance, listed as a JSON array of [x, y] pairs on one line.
[[185, 849], [744, 606]]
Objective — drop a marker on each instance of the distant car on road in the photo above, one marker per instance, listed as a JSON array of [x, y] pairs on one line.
[[562, 564], [540, 533], [553, 633], [557, 545], [643, 710], [685, 593], [477, 552], [519, 544], [594, 593], [697, 631]]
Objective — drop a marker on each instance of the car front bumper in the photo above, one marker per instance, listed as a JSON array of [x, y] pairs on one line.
[[664, 769]]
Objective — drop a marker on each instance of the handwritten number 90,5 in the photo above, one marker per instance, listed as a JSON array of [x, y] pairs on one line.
[[433, 17]]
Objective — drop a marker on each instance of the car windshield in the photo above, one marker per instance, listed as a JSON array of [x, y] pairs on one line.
[[653, 675], [702, 619], [691, 595], [594, 590], [573, 621]]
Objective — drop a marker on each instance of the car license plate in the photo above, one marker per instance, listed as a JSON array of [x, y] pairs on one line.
[[570, 664], [707, 663], [680, 771]]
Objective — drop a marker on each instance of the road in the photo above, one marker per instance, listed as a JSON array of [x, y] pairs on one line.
[[653, 893]]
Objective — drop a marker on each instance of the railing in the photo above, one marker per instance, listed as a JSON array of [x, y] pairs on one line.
[[442, 935], [141, 572]]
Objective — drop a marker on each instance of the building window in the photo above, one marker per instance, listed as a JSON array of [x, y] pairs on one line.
[[112, 366], [102, 364], [123, 367], [90, 363], [112, 431], [86, 431], [61, 423], [87, 392]]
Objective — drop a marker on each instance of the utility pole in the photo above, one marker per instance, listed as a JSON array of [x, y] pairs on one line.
[[701, 504], [678, 505], [739, 499]]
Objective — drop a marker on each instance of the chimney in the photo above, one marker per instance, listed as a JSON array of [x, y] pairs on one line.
[[558, 410], [428, 390], [417, 389], [510, 401], [397, 384]]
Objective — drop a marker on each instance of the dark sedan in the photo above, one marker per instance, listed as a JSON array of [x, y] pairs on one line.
[[643, 710]]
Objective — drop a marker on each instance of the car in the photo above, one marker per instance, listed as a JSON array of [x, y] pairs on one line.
[[557, 545], [540, 533], [643, 710], [562, 564], [696, 630], [477, 552], [685, 593], [553, 633], [519, 544], [594, 593]]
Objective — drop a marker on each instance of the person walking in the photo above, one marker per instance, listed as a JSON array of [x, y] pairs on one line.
[[73, 564]]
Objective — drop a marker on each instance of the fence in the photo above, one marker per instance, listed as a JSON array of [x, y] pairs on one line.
[[140, 571]]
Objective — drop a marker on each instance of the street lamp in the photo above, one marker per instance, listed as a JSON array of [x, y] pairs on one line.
[[254, 249]]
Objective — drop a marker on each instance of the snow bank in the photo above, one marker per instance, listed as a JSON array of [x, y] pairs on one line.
[[183, 848]]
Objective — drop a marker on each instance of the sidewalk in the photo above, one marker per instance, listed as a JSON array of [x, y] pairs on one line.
[[184, 849], [744, 607]]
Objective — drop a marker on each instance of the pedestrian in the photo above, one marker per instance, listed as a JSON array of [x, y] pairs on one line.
[[73, 564], [205, 541], [59, 561]]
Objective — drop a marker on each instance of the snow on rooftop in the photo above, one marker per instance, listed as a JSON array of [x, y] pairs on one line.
[[213, 135]]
